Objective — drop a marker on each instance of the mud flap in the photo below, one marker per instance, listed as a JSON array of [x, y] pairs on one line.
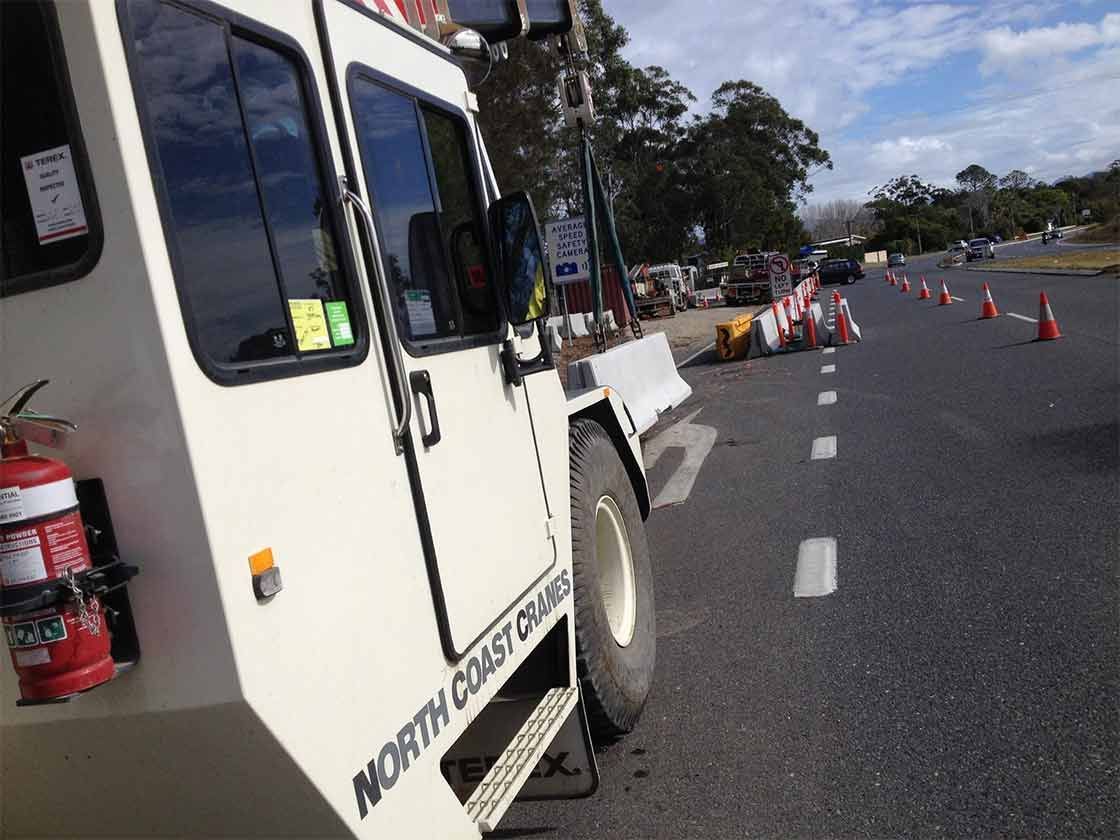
[[567, 770]]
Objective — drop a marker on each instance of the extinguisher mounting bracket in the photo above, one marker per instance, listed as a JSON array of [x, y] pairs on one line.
[[96, 582]]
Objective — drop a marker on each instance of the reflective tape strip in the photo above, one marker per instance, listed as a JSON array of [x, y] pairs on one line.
[[46, 499]]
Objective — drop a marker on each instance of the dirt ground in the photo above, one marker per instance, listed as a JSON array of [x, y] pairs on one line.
[[686, 332]]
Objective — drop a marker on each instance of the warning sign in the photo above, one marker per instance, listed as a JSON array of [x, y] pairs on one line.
[[56, 201], [567, 250]]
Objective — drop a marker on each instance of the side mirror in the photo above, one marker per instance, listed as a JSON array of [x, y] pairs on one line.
[[472, 53], [517, 244]]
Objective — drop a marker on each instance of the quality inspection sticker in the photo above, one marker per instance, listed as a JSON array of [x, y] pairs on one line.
[[56, 201], [338, 320]]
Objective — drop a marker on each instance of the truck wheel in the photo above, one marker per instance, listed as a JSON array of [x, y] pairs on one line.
[[614, 613]]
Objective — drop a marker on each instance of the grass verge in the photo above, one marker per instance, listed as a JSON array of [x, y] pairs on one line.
[[1097, 259], [1104, 233]]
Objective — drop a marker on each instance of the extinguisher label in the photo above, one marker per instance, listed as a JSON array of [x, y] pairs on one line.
[[21, 558], [51, 629], [27, 658], [21, 635], [11, 505]]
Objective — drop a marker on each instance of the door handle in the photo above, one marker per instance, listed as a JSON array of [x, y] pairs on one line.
[[421, 383], [394, 364]]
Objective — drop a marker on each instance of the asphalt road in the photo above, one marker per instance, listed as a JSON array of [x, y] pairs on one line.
[[962, 680]]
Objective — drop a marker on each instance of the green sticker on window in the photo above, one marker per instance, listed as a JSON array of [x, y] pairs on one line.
[[338, 320]]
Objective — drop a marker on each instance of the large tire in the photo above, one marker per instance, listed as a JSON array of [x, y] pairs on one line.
[[616, 678]]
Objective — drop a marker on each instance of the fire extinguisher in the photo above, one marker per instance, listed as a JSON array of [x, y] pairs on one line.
[[50, 605]]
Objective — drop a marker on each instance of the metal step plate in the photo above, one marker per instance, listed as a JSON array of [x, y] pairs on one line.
[[494, 795]]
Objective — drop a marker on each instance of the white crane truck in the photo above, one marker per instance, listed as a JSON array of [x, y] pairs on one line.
[[391, 577]]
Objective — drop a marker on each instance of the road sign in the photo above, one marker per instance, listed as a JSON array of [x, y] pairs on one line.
[[781, 284], [567, 250]]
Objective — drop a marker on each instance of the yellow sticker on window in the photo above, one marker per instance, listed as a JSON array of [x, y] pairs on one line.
[[310, 323]]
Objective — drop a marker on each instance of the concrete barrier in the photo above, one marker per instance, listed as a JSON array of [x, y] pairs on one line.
[[764, 334], [643, 373], [552, 335], [854, 331], [824, 334], [578, 322]]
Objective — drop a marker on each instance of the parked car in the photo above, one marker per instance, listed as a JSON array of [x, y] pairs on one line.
[[980, 248], [895, 259], [840, 271]]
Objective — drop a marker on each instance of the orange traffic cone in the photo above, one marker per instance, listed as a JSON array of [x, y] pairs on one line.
[[836, 297], [1047, 326], [842, 326], [924, 294], [988, 306], [905, 285], [810, 331], [893, 281], [887, 277], [945, 298], [778, 323]]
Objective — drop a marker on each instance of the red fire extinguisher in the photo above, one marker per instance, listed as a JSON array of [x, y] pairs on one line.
[[52, 616]]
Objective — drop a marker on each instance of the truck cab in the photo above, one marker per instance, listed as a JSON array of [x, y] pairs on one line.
[[259, 253]]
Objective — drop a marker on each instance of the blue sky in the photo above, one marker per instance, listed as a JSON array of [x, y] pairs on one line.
[[907, 87]]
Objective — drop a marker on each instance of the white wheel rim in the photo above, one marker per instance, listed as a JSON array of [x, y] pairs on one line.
[[616, 570]]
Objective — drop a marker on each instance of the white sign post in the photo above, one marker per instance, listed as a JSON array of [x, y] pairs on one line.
[[781, 284], [569, 257]]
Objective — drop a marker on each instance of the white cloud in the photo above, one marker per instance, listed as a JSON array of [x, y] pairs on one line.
[[1005, 48], [895, 154], [833, 63]]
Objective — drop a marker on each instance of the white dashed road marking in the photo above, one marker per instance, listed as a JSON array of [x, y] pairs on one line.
[[828, 368], [696, 441], [824, 447], [826, 398], [828, 350], [954, 297], [816, 568], [1022, 318]]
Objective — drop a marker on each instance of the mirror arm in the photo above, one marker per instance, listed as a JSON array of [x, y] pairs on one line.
[[516, 369]]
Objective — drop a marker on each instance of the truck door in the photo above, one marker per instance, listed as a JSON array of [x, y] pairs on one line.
[[402, 105]]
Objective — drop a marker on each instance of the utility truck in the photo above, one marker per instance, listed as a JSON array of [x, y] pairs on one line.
[[750, 279], [342, 558]]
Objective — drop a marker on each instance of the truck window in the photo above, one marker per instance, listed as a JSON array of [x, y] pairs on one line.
[[49, 226], [249, 224], [428, 214]]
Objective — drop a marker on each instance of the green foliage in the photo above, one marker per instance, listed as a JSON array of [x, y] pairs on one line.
[[734, 175]]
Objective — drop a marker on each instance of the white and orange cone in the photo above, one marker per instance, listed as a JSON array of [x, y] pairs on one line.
[[923, 293], [988, 306], [905, 285], [1047, 326], [945, 299], [893, 281], [887, 277]]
